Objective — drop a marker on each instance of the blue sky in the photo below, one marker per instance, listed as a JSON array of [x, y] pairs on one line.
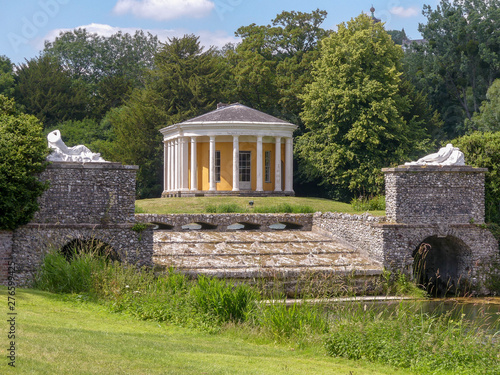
[[24, 25]]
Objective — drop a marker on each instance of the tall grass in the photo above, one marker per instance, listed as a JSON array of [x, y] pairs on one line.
[[406, 337], [279, 208]]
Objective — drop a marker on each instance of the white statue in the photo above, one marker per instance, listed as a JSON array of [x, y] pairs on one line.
[[448, 155], [62, 152]]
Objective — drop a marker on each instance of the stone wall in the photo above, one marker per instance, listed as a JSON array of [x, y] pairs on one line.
[[31, 242], [92, 193], [435, 194], [85, 201], [220, 222], [358, 231], [5, 254]]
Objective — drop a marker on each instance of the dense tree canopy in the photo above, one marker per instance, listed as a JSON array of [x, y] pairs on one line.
[[483, 150], [460, 58], [46, 90], [488, 117], [355, 112], [186, 82], [6, 77], [23, 149]]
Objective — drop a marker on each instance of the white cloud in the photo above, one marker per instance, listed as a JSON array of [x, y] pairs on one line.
[[405, 12], [162, 10], [207, 38]]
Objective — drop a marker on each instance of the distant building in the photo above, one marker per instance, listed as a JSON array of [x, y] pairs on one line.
[[233, 150]]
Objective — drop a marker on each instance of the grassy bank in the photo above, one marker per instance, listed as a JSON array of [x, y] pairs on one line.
[[60, 334], [241, 204], [406, 338]]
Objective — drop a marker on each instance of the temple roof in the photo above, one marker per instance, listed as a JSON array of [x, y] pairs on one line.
[[234, 113]]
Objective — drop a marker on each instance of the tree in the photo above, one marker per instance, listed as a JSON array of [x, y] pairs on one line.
[[6, 77], [23, 150], [356, 112], [110, 67], [460, 59], [273, 63], [186, 82], [488, 117], [483, 150], [47, 91]]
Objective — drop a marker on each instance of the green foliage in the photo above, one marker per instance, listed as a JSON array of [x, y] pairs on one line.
[[186, 82], [460, 59], [23, 150], [47, 91], [376, 203], [408, 338], [6, 77], [299, 321], [280, 208], [224, 208], [109, 67], [488, 117], [60, 275], [218, 298], [354, 112], [483, 150]]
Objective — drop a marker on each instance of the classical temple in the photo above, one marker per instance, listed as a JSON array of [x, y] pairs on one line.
[[233, 150]]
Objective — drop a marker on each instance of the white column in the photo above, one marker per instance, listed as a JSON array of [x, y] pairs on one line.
[[185, 161], [289, 164], [277, 166], [211, 172], [236, 163], [176, 164], [170, 166], [194, 165], [259, 164], [165, 166]]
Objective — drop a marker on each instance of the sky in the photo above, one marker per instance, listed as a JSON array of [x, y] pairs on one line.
[[26, 24]]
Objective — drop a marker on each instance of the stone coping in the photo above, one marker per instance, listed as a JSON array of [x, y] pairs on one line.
[[77, 226], [92, 165], [435, 168]]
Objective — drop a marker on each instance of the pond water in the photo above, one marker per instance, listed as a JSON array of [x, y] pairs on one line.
[[481, 310]]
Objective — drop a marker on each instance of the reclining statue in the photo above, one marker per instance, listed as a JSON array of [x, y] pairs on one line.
[[448, 155], [61, 152]]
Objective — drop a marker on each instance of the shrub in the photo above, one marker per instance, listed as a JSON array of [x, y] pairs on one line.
[[376, 203], [227, 302], [23, 149]]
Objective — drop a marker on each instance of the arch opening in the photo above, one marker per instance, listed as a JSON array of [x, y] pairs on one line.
[[199, 226], [442, 265], [89, 246]]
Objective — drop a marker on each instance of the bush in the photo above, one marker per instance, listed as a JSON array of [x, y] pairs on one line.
[[483, 150], [23, 149], [376, 203]]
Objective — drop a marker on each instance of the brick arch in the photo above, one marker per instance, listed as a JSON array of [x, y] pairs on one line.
[[86, 244], [442, 264]]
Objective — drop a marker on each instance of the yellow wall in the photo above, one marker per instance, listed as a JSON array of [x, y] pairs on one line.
[[226, 150]]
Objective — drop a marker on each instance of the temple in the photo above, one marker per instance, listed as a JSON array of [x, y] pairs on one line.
[[233, 150]]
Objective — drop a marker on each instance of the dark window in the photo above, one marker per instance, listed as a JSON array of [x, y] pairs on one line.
[[217, 166], [245, 166], [267, 166]]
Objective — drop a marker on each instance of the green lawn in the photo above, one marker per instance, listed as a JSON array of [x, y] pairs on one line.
[[55, 336], [199, 204]]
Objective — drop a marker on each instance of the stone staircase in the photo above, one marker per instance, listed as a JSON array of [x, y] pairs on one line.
[[253, 254]]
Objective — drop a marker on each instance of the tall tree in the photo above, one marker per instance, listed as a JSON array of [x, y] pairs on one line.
[[6, 77], [488, 117], [273, 63], [48, 92], [23, 149], [356, 112], [110, 67], [460, 59], [186, 82]]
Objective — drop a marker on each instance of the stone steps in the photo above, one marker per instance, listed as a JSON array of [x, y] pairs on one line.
[[249, 254]]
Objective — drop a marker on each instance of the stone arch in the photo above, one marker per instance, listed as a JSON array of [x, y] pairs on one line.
[[88, 245], [442, 264]]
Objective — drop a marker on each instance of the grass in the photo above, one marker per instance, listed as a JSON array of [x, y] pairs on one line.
[[405, 337], [240, 204], [60, 334]]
